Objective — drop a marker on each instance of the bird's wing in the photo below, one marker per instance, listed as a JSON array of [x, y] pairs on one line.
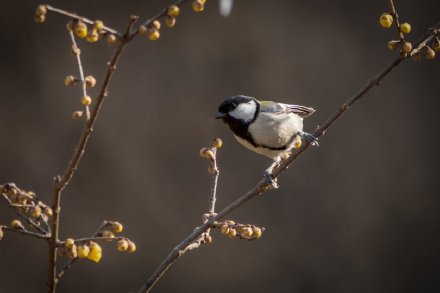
[[280, 108]]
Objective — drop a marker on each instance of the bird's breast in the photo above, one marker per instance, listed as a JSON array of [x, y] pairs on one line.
[[274, 130]]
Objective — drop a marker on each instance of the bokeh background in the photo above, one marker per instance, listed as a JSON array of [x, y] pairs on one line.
[[358, 214]]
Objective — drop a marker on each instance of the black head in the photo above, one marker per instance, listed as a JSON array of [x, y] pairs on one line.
[[230, 104], [239, 112]]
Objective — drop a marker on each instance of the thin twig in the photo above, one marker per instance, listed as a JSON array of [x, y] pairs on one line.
[[26, 232], [76, 16], [262, 186], [396, 17], [30, 222], [214, 180], [61, 182], [77, 53]]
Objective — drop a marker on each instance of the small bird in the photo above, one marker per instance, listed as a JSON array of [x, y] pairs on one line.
[[267, 128]]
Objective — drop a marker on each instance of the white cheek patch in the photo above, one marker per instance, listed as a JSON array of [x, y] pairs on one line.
[[244, 111]]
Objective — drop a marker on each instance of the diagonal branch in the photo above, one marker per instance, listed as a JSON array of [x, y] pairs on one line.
[[262, 186]]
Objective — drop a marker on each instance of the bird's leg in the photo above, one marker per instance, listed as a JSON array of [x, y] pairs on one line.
[[269, 171], [309, 138]]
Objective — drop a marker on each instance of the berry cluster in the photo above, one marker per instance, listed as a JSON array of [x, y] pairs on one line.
[[28, 207], [89, 248], [210, 154], [387, 20], [241, 231]]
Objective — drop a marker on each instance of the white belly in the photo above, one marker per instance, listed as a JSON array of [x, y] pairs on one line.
[[273, 133]]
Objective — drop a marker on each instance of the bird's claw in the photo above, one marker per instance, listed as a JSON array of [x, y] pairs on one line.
[[272, 182], [309, 138]]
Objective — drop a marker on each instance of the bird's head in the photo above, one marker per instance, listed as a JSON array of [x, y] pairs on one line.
[[238, 108]]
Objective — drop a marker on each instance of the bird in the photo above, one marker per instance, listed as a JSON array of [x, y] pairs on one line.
[[268, 128]]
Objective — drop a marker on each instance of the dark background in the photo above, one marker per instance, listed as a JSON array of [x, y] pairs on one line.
[[358, 214]]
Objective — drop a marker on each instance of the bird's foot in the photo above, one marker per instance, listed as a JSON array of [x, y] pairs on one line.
[[309, 138], [272, 182], [268, 174]]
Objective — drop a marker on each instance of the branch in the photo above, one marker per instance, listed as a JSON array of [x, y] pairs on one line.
[[61, 182], [77, 53], [26, 232], [76, 16], [262, 186]]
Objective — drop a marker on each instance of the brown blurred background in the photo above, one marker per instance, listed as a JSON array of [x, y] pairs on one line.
[[358, 214]]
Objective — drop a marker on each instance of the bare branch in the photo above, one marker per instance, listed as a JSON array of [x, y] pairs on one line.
[[26, 232]]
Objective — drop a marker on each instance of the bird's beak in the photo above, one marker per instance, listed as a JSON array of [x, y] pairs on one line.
[[219, 115]]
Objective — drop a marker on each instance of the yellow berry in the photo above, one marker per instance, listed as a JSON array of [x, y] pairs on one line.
[[92, 36], [386, 20], [407, 47], [131, 246], [83, 251], [155, 24], [77, 114], [86, 100], [117, 227], [217, 143], [110, 39], [70, 80], [405, 28], [81, 29], [247, 232], [173, 11], [224, 229], [16, 224], [207, 153], [108, 234], [393, 44], [170, 21], [153, 34], [40, 18], [204, 153], [142, 29], [95, 253], [232, 232], [90, 81], [297, 144], [198, 6], [36, 212], [98, 25], [69, 243], [429, 53], [122, 245], [256, 232], [41, 10], [48, 211], [1, 232]]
